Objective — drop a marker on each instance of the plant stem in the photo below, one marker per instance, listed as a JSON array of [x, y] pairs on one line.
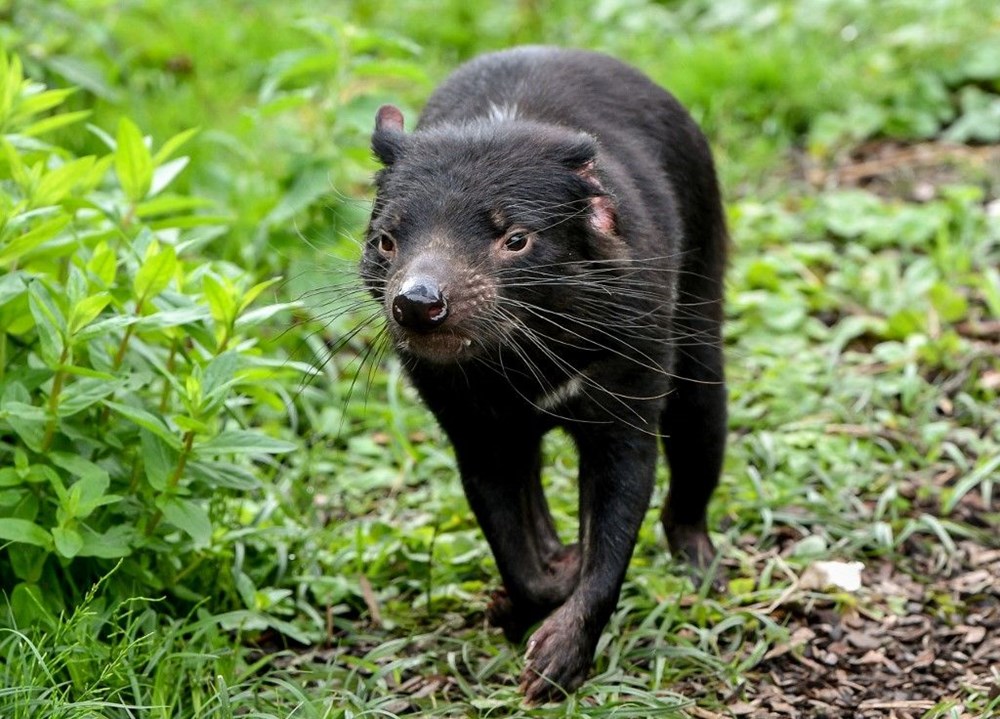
[[120, 355], [165, 396], [57, 387], [175, 478], [182, 461]]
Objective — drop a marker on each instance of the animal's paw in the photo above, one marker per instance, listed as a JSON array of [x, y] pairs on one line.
[[692, 545], [500, 608], [501, 612], [558, 658], [513, 618]]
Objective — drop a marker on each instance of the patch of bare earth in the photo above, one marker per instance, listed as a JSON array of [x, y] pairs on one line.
[[917, 636]]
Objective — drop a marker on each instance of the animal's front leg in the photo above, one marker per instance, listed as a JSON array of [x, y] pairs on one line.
[[616, 480], [503, 484]]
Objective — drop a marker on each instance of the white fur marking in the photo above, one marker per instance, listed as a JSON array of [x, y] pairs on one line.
[[499, 113], [567, 390]]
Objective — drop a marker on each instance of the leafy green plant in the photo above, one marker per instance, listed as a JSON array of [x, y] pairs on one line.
[[124, 362]]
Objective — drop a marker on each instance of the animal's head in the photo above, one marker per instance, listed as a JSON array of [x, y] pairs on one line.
[[479, 231]]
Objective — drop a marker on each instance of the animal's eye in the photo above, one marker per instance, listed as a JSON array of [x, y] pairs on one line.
[[386, 245], [516, 241]]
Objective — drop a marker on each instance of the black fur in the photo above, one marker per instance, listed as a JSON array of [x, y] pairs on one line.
[[566, 212]]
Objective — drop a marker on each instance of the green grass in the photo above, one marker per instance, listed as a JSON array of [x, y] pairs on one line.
[[352, 581]]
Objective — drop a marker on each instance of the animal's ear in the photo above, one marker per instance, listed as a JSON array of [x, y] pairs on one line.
[[388, 139], [577, 151], [579, 154], [603, 211]]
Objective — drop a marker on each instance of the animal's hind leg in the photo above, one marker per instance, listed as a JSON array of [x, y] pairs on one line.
[[694, 421], [694, 425]]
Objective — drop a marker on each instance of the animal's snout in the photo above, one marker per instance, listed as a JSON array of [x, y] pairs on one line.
[[420, 305]]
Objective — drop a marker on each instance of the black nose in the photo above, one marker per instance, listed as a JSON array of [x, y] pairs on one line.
[[420, 305]]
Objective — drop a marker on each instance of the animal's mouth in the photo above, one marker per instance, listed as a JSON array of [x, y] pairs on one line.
[[441, 346]]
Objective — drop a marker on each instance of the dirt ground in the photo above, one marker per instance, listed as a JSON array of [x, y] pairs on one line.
[[907, 646]]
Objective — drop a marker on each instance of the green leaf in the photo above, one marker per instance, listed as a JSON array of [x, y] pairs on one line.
[[31, 607], [262, 314], [10, 477], [85, 73], [221, 301], [158, 268], [133, 163], [10, 498], [224, 474], [40, 102], [906, 322], [21, 530], [114, 543], [21, 246], [102, 136], [166, 173], [24, 411], [158, 459], [57, 183], [169, 205], [75, 288], [174, 318], [68, 541], [192, 392], [86, 310], [990, 467], [77, 466], [49, 322], [103, 264], [28, 563], [55, 122], [762, 274], [250, 295], [84, 393], [980, 120], [950, 305], [89, 491], [12, 285], [146, 420], [105, 327], [220, 372], [191, 424], [27, 421], [240, 441], [171, 146], [989, 284], [185, 222], [188, 516], [15, 165]]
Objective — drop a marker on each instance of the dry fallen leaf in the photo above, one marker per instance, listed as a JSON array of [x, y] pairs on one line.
[[839, 575]]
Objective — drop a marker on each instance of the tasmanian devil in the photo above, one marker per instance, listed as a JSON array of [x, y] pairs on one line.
[[548, 248]]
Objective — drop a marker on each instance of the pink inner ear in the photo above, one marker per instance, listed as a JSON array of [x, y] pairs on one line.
[[602, 208], [389, 117], [602, 215]]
